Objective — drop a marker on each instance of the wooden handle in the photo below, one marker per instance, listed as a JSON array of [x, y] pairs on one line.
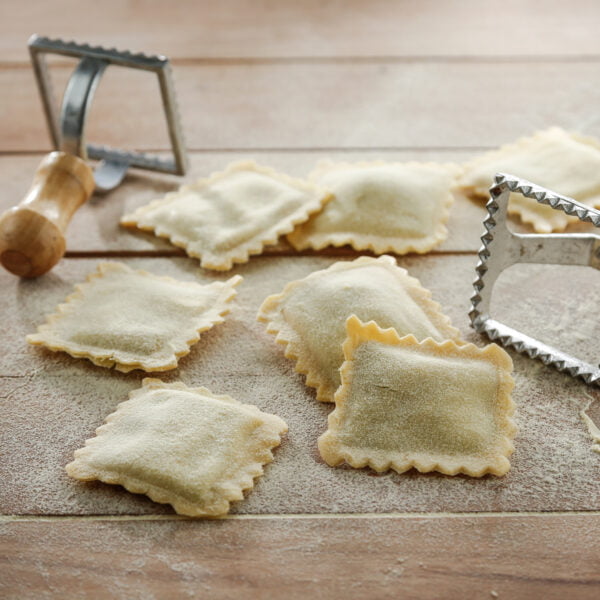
[[32, 236]]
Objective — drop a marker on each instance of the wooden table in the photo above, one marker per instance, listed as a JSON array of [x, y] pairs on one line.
[[288, 84]]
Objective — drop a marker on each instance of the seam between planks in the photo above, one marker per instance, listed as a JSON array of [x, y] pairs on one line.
[[293, 516], [286, 150], [332, 253], [358, 59]]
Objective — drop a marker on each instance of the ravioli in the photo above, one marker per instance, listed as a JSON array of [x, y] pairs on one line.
[[378, 206], [183, 446], [309, 316], [565, 163], [232, 214], [426, 405], [133, 319]]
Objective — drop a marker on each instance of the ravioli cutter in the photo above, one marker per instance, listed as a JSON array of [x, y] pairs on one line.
[[503, 248], [32, 237]]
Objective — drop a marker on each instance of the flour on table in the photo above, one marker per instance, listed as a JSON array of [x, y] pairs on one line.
[[592, 428]]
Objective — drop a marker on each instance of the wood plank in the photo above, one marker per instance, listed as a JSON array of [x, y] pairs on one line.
[[515, 557], [95, 227], [238, 28], [323, 105], [393, 79], [51, 403]]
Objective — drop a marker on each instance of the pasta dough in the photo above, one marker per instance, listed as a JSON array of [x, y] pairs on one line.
[[432, 406], [562, 162], [230, 215], [309, 315], [378, 206], [134, 320], [184, 446]]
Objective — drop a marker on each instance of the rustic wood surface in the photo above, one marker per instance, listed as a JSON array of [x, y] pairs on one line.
[[329, 104], [288, 84], [311, 28], [356, 557]]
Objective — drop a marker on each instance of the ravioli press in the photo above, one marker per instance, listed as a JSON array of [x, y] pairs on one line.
[[32, 237], [503, 248]]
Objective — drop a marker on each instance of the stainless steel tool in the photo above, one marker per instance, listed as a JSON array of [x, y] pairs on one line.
[[32, 233], [503, 248]]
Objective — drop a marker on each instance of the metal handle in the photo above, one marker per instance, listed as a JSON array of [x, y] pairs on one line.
[[76, 104]]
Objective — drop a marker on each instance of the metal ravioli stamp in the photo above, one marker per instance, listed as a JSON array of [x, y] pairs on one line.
[[502, 248], [67, 127]]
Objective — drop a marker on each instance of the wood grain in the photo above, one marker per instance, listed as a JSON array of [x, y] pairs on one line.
[[322, 106], [553, 465], [95, 227], [429, 557], [309, 28], [289, 83]]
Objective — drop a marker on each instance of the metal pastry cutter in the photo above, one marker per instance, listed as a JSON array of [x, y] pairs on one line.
[[32, 233], [67, 130], [503, 248]]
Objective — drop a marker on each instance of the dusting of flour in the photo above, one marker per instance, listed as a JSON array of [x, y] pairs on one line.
[[591, 426]]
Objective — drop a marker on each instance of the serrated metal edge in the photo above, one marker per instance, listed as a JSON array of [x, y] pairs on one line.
[[158, 64], [534, 349], [47, 44], [499, 332], [549, 198]]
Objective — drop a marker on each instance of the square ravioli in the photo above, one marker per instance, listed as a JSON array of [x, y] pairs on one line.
[[133, 319], [428, 405], [309, 316], [224, 219], [565, 163], [183, 446], [378, 206]]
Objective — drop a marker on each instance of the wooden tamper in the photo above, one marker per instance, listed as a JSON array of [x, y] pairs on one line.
[[32, 234]]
